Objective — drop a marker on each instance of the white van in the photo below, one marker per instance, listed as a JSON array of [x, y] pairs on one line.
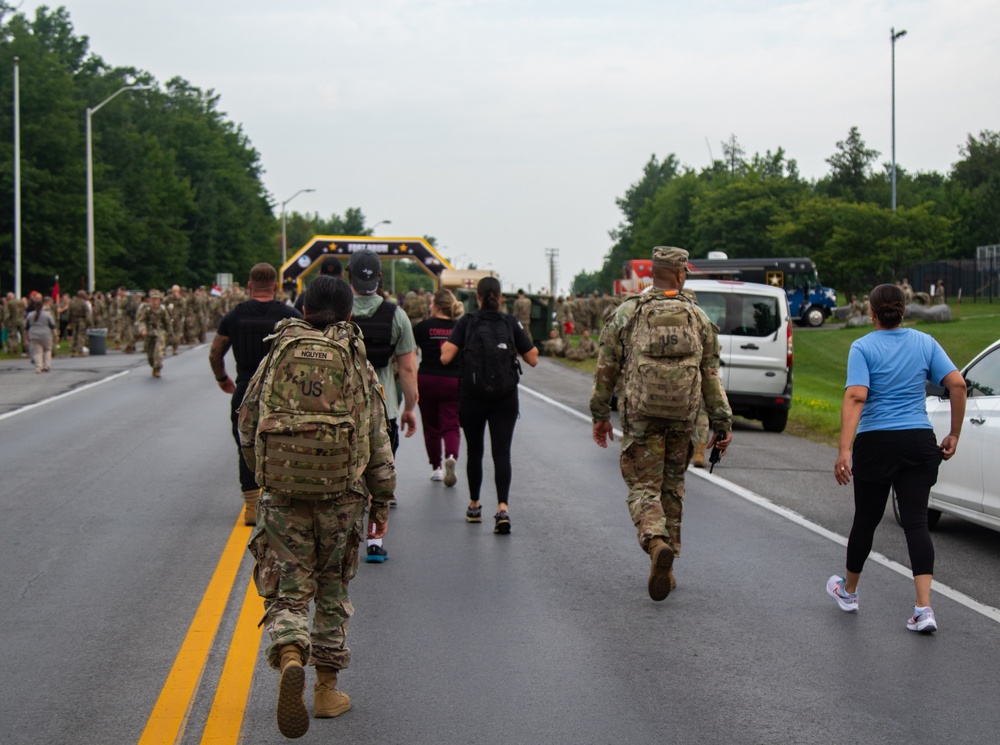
[[755, 336]]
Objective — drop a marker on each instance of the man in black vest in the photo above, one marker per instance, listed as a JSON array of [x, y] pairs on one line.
[[388, 334], [244, 328]]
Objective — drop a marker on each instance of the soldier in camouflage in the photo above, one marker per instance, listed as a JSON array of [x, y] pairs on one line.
[[415, 306], [306, 545], [127, 314], [114, 321], [174, 303], [14, 322], [153, 324], [667, 352], [80, 320], [584, 350], [555, 345], [522, 312]]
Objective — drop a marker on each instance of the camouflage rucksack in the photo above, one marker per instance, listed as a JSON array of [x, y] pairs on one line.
[[663, 357], [304, 422]]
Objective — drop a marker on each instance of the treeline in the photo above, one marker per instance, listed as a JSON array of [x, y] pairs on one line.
[[761, 207], [178, 195]]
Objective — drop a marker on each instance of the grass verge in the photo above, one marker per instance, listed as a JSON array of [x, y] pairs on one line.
[[820, 364]]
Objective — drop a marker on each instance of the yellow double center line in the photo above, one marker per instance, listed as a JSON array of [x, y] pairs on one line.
[[169, 717]]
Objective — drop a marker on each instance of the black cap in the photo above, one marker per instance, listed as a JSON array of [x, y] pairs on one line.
[[331, 265], [365, 269]]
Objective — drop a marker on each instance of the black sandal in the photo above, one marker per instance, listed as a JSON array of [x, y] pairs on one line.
[[503, 523], [474, 514]]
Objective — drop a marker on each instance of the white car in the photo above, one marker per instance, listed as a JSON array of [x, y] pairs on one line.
[[968, 484]]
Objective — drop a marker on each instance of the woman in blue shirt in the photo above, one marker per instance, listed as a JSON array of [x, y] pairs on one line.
[[895, 447]]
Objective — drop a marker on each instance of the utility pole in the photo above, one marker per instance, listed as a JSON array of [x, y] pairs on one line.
[[553, 255]]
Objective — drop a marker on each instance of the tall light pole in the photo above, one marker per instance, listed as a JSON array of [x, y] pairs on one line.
[[392, 266], [284, 237], [17, 180], [893, 35], [371, 230], [90, 180]]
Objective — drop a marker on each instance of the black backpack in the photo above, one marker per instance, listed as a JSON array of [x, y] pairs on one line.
[[490, 368]]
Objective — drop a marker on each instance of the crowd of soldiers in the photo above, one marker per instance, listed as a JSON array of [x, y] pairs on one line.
[[582, 314], [127, 316]]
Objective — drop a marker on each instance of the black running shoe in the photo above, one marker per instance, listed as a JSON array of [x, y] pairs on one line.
[[474, 514], [503, 523], [376, 555]]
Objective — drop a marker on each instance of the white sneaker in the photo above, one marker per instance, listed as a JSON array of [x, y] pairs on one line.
[[922, 621], [449, 471], [437, 475], [848, 601]]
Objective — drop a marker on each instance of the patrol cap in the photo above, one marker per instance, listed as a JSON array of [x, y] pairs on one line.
[[671, 257], [365, 269], [155, 294]]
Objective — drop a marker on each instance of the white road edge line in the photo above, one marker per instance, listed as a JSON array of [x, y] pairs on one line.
[[35, 405], [739, 491]]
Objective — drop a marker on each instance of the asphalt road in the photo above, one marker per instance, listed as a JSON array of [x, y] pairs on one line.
[[120, 499]]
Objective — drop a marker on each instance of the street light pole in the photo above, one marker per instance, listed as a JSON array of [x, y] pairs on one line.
[[17, 179], [392, 266], [893, 35], [90, 180], [284, 236]]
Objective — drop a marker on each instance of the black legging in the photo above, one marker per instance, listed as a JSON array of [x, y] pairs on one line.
[[474, 414], [248, 480], [906, 460]]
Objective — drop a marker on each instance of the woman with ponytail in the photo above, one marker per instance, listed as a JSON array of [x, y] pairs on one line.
[[437, 387], [491, 341], [894, 446]]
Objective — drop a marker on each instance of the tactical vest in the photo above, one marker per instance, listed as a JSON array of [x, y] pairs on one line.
[[377, 331], [311, 396], [77, 309], [663, 358]]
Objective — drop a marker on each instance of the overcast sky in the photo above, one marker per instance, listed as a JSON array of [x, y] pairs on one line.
[[503, 127]]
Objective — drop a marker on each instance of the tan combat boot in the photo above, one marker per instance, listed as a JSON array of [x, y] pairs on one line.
[[328, 701], [698, 459], [293, 719], [250, 499], [661, 575]]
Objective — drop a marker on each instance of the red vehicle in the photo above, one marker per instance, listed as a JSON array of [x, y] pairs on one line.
[[637, 275]]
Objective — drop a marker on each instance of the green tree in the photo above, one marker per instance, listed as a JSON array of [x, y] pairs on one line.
[[978, 173], [851, 168]]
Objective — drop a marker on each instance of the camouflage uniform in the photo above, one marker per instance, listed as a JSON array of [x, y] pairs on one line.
[[100, 314], [415, 307], [125, 313], [192, 320], [202, 305], [586, 349], [306, 546], [174, 303], [155, 322], [655, 452], [79, 321], [522, 312], [14, 322], [554, 347], [114, 322]]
